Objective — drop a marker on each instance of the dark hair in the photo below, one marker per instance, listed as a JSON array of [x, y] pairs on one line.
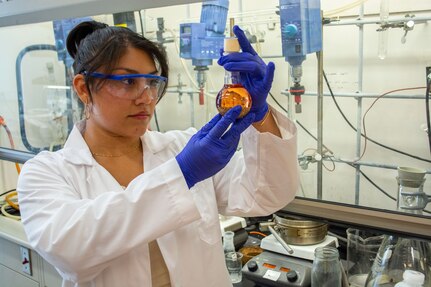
[[94, 45]]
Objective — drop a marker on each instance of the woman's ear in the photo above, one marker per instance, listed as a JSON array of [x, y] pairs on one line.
[[81, 89]]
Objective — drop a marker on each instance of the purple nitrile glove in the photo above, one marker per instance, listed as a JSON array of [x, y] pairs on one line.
[[212, 147], [255, 75]]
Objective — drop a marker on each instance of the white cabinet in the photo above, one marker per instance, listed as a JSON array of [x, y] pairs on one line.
[[11, 278], [11, 265]]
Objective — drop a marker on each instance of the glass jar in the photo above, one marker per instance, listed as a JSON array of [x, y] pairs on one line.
[[326, 270]]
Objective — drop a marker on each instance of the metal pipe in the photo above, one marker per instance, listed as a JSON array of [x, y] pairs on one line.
[[17, 156], [362, 95], [319, 122], [377, 21], [281, 240], [358, 21], [367, 163]]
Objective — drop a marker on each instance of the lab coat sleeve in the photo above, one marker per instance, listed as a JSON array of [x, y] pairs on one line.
[[263, 177], [80, 236]]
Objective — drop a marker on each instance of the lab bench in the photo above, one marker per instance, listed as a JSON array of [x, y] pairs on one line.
[[19, 264]]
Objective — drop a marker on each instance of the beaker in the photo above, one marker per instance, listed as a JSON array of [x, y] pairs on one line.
[[411, 196], [362, 248]]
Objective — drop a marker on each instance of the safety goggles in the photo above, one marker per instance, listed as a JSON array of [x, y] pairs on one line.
[[132, 86]]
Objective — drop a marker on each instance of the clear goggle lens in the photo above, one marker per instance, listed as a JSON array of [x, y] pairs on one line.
[[133, 86]]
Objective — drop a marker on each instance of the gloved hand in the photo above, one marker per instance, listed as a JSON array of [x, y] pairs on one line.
[[212, 147], [255, 75]]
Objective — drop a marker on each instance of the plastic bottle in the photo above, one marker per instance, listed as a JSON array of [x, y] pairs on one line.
[[326, 270], [233, 93], [411, 278], [228, 245]]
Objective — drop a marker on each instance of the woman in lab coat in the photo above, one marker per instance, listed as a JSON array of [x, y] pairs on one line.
[[120, 205]]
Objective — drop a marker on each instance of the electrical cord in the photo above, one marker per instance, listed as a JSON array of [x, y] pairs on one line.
[[373, 183], [10, 201], [427, 109], [308, 132], [371, 140], [369, 108], [6, 192], [298, 122], [156, 120], [258, 233], [352, 165], [12, 144], [8, 207], [184, 65], [339, 10], [7, 214]]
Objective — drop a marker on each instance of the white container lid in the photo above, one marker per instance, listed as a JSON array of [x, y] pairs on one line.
[[414, 277]]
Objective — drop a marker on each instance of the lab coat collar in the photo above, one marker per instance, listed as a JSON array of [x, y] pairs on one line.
[[157, 141], [76, 150]]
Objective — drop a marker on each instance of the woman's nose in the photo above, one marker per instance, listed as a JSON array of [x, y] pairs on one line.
[[145, 96]]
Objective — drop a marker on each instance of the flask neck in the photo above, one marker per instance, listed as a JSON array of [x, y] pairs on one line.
[[231, 78]]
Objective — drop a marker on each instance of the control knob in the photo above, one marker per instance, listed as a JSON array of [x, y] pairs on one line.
[[252, 265], [292, 276]]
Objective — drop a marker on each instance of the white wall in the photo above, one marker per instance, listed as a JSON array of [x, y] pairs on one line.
[[396, 123]]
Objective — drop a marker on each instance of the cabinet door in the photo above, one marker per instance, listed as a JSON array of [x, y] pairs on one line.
[[10, 256], [10, 278], [52, 278]]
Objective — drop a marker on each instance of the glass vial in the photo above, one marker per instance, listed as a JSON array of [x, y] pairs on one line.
[[233, 93], [326, 270], [228, 245]]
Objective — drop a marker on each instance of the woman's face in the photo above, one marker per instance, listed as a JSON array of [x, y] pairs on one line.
[[120, 116]]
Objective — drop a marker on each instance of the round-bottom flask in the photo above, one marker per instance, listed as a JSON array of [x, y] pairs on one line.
[[233, 95]]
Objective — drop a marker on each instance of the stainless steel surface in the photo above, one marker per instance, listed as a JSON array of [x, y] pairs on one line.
[[282, 242], [359, 113], [298, 223], [15, 155], [320, 122], [18, 12], [300, 232], [272, 269], [419, 227]]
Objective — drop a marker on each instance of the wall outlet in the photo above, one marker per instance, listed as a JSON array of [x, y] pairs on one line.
[[25, 260]]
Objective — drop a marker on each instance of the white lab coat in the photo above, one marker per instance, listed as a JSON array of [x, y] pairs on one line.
[[78, 217]]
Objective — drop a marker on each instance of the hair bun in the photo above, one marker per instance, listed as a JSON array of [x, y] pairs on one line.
[[79, 32]]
